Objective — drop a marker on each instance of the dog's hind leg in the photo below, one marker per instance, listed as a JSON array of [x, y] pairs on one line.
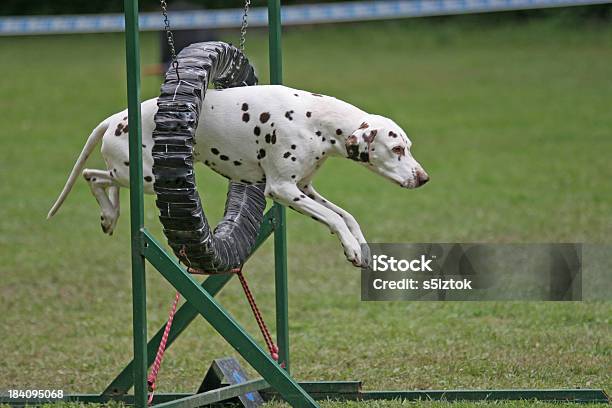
[[113, 195], [106, 192]]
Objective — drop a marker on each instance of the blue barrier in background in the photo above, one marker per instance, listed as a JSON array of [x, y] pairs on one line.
[[292, 15]]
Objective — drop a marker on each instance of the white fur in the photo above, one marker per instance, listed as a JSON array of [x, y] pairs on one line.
[[306, 129]]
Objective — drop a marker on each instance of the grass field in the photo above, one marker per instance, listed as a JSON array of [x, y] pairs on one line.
[[511, 122]]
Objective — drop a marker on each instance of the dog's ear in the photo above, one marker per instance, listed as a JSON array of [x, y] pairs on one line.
[[358, 143]]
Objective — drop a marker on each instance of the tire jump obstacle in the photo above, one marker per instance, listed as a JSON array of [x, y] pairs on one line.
[[243, 229], [181, 213]]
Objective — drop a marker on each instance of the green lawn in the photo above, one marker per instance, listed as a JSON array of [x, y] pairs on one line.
[[512, 123]]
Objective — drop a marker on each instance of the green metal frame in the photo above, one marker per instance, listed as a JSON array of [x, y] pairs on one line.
[[199, 298], [275, 380]]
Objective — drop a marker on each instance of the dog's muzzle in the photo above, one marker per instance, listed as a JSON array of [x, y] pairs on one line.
[[420, 178]]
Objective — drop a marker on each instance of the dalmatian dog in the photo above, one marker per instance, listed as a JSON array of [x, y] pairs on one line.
[[262, 134]]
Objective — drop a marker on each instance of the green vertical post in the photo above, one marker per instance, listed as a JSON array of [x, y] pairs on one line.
[[280, 231], [139, 301]]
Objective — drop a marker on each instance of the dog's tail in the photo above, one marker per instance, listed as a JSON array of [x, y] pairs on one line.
[[92, 141]]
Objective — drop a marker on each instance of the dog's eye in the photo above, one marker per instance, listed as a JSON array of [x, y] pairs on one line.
[[399, 150]]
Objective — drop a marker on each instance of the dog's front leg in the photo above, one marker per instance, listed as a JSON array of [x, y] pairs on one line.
[[290, 195], [349, 220]]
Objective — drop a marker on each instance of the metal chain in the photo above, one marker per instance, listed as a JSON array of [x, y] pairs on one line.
[[169, 36], [245, 24]]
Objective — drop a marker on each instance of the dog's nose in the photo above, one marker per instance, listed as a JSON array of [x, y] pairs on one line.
[[422, 178]]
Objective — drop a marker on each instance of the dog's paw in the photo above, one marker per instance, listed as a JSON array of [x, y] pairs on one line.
[[352, 251], [366, 256], [108, 224]]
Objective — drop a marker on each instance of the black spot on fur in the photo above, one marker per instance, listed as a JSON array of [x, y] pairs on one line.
[[286, 155], [273, 139], [296, 199], [245, 106], [308, 114], [338, 132], [224, 157], [262, 154], [302, 196], [93, 179], [125, 118], [118, 132], [126, 129], [288, 115], [246, 117], [392, 134], [237, 163], [264, 117], [257, 131], [127, 163], [317, 158], [144, 146], [318, 133], [293, 159], [323, 139], [272, 124], [332, 141], [293, 147], [206, 162], [214, 151], [268, 137], [293, 176], [352, 148], [148, 179]]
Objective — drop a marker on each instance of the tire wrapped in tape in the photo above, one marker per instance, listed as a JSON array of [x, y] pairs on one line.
[[181, 213]]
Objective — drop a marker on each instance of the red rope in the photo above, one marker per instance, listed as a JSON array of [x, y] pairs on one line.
[[272, 348], [161, 349]]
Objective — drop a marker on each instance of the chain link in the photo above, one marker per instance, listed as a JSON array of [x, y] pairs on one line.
[[245, 24], [169, 37]]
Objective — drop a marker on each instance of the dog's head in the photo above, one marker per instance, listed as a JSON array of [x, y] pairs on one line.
[[383, 147]]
